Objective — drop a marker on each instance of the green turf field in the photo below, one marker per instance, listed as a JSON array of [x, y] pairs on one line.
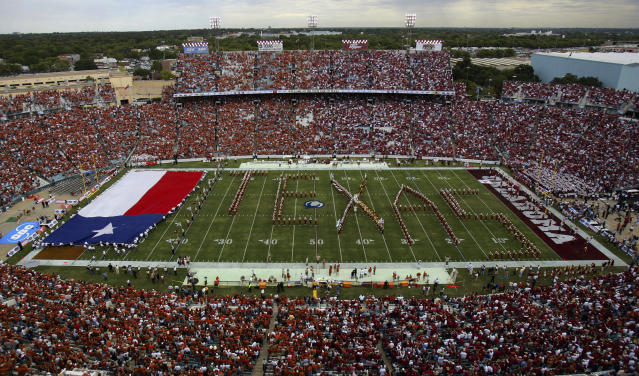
[[250, 236]]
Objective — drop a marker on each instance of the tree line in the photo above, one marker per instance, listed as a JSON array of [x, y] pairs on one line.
[[39, 51]]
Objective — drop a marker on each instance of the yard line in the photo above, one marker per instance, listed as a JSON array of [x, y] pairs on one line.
[[270, 238], [214, 216], [254, 216], [315, 225], [297, 184], [356, 220], [391, 204], [462, 200], [227, 236], [373, 206], [229, 232], [483, 202], [418, 220], [460, 221], [339, 244], [166, 229]]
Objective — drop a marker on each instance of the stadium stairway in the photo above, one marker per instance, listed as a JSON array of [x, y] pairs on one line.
[[584, 100], [628, 106], [71, 161], [380, 348], [260, 365], [519, 93], [100, 139], [385, 358], [135, 147]]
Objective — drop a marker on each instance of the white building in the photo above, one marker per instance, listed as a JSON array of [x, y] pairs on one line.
[[614, 70]]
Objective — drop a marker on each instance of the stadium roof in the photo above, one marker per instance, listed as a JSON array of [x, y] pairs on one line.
[[604, 57]]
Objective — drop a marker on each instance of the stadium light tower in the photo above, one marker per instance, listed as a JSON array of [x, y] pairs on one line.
[[215, 25], [409, 22], [312, 25]]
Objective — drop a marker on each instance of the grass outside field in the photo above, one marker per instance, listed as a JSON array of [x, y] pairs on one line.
[[113, 279], [250, 235]]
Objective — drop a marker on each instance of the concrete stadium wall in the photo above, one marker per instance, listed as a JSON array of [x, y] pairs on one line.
[[629, 78], [50, 81], [549, 67]]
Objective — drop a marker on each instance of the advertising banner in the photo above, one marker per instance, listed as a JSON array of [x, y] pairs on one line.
[[428, 45], [270, 45], [317, 91], [21, 233], [196, 48], [354, 45]]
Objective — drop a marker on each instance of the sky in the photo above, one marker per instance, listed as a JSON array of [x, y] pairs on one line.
[[37, 16]]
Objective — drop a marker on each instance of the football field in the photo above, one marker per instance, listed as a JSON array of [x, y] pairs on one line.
[[306, 227]]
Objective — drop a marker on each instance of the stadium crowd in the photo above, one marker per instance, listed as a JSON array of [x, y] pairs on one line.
[[581, 325], [47, 100], [57, 324], [578, 326], [339, 336], [595, 214], [570, 93], [588, 151], [592, 152], [314, 70]]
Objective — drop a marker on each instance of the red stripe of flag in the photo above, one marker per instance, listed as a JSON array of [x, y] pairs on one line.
[[166, 194]]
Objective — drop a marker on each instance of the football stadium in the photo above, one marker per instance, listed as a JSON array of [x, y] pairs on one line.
[[319, 212]]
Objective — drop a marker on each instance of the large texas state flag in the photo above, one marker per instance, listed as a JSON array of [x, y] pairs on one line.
[[128, 208]]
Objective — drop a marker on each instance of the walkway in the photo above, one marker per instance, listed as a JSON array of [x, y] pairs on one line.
[[258, 370], [231, 273]]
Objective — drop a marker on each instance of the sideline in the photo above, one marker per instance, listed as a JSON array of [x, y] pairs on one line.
[[600, 247], [344, 266]]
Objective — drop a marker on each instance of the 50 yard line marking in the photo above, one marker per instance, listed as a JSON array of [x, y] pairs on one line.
[[297, 184], [214, 217], [254, 216]]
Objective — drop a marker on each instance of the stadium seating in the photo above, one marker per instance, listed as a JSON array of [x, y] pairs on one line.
[[312, 339], [569, 93], [314, 70], [592, 152], [58, 324], [43, 101], [577, 326], [541, 330]]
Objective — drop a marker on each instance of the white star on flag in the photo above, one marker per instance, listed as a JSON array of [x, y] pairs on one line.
[[107, 230]]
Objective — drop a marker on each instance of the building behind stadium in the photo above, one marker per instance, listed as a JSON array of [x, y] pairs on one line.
[[614, 70]]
